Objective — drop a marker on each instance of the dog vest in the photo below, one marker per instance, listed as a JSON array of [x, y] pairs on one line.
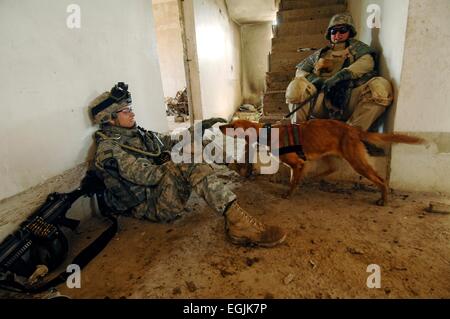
[[290, 140]]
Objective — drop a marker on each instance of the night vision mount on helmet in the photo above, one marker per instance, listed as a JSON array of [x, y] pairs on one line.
[[119, 94]]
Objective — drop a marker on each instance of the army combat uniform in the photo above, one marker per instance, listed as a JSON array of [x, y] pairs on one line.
[[127, 161], [141, 178], [366, 95]]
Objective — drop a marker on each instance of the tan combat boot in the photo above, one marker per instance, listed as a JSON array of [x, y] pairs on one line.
[[244, 229]]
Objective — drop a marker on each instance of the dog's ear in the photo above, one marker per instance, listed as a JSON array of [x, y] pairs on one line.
[[223, 128]]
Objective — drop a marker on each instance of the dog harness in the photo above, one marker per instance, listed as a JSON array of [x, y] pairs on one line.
[[289, 142]]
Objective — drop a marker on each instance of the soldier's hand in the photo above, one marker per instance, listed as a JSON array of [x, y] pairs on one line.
[[207, 124], [330, 84], [334, 80], [317, 81]]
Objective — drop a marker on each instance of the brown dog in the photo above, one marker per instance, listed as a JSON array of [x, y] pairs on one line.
[[323, 139]]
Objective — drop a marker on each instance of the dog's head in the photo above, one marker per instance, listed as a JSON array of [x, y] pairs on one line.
[[237, 128]]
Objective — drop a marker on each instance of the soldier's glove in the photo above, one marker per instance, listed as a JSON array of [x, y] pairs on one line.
[[163, 158], [342, 75], [206, 125], [317, 81]]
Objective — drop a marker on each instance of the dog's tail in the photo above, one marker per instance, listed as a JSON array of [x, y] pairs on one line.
[[377, 138]]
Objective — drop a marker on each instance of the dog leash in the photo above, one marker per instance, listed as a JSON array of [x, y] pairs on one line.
[[301, 105]]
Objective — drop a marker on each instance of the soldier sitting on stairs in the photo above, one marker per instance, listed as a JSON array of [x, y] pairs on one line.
[[343, 76]]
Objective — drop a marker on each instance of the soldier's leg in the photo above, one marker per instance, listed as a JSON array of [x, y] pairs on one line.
[[240, 227], [174, 192], [206, 184], [166, 201], [368, 102], [299, 116], [318, 111], [366, 114]]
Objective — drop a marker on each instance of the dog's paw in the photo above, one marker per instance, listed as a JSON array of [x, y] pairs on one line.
[[380, 202], [286, 195]]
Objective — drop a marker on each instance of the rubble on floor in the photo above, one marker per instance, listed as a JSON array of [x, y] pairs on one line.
[[334, 234], [178, 106], [248, 112]]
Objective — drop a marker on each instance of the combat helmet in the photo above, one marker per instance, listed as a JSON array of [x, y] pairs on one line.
[[103, 108], [339, 19]]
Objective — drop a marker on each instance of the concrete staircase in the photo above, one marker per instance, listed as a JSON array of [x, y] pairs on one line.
[[301, 24]]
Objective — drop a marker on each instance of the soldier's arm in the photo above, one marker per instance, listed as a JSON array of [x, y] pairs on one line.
[[363, 65], [113, 159], [166, 139], [306, 69], [307, 65]]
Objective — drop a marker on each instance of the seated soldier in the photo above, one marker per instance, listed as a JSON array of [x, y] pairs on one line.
[[344, 77], [141, 179]]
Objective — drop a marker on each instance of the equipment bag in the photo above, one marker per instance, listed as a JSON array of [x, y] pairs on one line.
[[40, 246]]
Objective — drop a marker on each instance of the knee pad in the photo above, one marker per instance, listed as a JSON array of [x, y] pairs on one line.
[[379, 91], [299, 90]]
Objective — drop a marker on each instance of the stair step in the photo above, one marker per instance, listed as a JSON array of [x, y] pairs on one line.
[[300, 38], [293, 4], [309, 26], [293, 43], [284, 66], [275, 103], [278, 95], [280, 76], [275, 109], [286, 62], [276, 91], [278, 81], [277, 86], [271, 119], [280, 109], [309, 13], [280, 55], [274, 97]]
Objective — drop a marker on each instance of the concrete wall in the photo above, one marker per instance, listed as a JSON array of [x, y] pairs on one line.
[[256, 46], [170, 46], [50, 74], [252, 11], [423, 105], [389, 40], [218, 44]]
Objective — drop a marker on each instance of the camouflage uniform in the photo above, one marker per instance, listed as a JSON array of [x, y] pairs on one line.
[[136, 182], [366, 95], [141, 179]]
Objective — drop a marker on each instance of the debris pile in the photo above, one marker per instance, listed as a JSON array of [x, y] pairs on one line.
[[248, 112], [178, 106]]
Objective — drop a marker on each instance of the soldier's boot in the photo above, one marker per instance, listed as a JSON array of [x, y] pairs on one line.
[[243, 229]]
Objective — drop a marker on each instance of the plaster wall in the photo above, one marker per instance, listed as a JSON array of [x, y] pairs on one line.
[[170, 46]]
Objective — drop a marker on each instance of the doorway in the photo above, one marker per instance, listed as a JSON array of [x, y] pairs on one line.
[[171, 59]]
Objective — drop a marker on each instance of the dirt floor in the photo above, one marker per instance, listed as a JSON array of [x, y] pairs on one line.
[[334, 232]]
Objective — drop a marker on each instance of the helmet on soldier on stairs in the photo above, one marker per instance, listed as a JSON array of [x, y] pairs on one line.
[[104, 107], [341, 19]]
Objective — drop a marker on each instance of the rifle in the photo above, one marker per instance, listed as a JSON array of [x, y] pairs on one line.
[[40, 241]]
